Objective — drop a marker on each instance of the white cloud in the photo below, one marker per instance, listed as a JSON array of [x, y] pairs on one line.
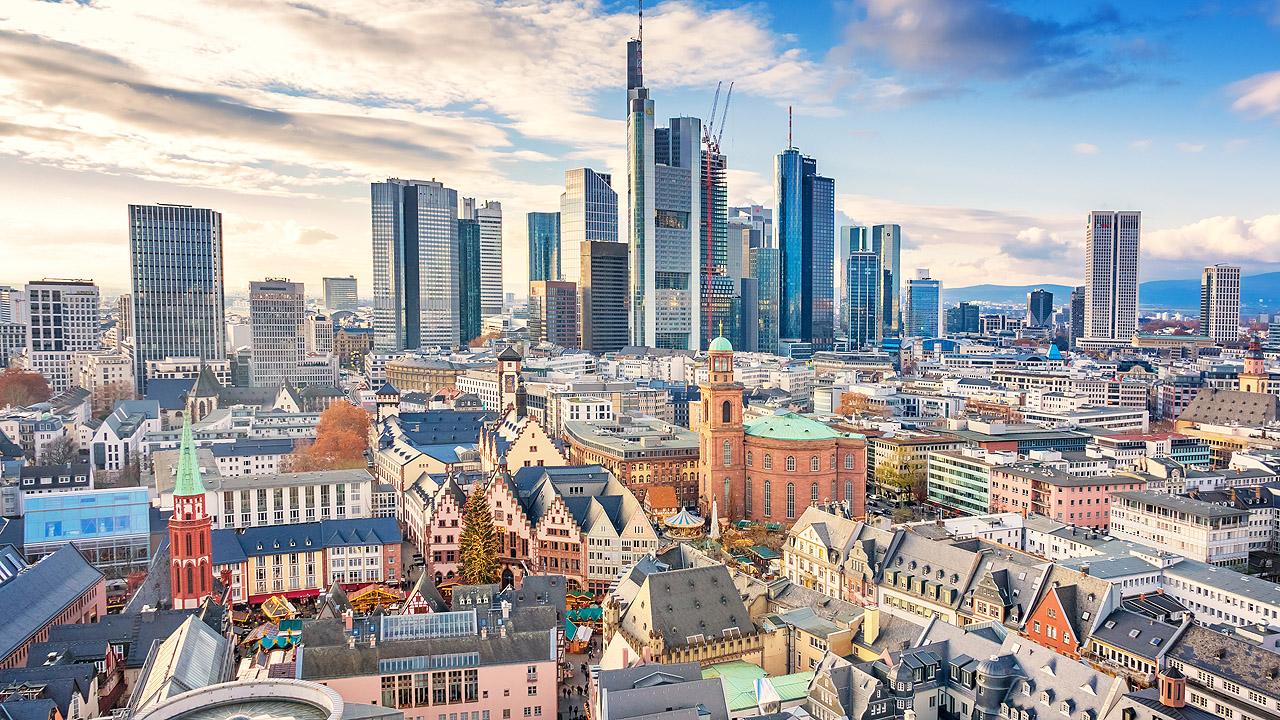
[[1085, 149], [1218, 238], [1257, 95], [1187, 147], [1140, 145]]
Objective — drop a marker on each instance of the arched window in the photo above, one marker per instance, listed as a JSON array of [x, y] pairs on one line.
[[768, 497], [191, 579], [791, 464], [813, 493], [202, 550], [726, 412], [768, 461], [746, 499], [833, 461], [189, 553], [848, 490], [791, 500], [749, 458], [815, 464], [726, 453], [848, 461], [726, 495]]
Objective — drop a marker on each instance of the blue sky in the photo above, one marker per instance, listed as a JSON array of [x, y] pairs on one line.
[[986, 129]]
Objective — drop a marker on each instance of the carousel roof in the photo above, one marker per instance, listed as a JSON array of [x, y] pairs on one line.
[[685, 519]]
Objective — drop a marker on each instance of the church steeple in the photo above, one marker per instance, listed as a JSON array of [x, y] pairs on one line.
[[190, 530], [188, 482], [1254, 377]]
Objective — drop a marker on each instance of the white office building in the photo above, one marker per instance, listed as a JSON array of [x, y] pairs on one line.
[[64, 320], [1220, 303], [277, 309], [1112, 243]]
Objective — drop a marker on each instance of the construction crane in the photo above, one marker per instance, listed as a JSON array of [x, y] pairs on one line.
[[712, 132]]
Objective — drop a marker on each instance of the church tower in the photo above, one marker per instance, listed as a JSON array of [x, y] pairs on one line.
[[721, 465], [190, 538], [1254, 377]]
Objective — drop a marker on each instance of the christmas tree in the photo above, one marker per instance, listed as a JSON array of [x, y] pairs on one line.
[[478, 543]]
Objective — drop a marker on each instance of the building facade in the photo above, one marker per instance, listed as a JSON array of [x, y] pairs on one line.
[[805, 212], [886, 240], [1220, 303], [553, 313], [489, 217], [864, 319], [470, 311], [604, 293], [178, 305], [588, 213], [1112, 243], [543, 229], [923, 306], [63, 319], [277, 316], [340, 293]]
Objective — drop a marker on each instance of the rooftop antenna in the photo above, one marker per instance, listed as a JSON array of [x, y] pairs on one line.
[[789, 143]]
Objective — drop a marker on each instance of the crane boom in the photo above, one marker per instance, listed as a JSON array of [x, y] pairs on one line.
[[724, 116], [707, 130]]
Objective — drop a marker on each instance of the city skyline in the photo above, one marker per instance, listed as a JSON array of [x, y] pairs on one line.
[[299, 195]]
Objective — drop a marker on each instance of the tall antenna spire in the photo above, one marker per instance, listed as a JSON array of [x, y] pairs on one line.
[[640, 14], [789, 143]]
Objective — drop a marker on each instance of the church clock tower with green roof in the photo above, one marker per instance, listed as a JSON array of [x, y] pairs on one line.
[[190, 532], [720, 460]]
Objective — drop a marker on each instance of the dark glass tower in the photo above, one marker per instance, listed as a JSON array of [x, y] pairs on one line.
[[544, 246], [806, 248], [468, 280]]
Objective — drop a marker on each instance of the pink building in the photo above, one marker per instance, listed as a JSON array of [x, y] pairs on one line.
[[1045, 490], [61, 589], [510, 676]]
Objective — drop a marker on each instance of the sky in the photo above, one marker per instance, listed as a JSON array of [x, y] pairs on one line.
[[986, 129]]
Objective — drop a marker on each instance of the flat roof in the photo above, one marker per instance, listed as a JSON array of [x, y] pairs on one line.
[[1178, 503]]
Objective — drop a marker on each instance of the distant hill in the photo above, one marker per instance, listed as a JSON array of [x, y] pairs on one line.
[[1257, 292]]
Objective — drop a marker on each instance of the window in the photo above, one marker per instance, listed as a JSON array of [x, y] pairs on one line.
[[791, 500], [746, 498], [814, 464], [768, 495], [749, 458], [848, 490], [848, 461], [726, 412], [813, 494], [726, 453], [791, 464], [768, 462]]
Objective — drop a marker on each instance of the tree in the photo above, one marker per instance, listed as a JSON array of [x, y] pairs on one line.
[[478, 543], [484, 339], [342, 437], [61, 450], [22, 387], [105, 399], [903, 515], [856, 403], [903, 474]]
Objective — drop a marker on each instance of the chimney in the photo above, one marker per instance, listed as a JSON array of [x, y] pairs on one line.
[[870, 623], [347, 619], [1173, 688]]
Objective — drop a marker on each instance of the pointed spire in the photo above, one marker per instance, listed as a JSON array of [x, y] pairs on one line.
[[715, 520], [188, 482]]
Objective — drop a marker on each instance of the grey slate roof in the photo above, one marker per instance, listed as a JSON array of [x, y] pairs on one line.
[[39, 593], [60, 682], [681, 603], [1136, 634], [1225, 407], [670, 692], [1250, 665], [321, 660]]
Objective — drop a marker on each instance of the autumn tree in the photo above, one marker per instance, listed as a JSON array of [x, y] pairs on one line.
[[22, 387], [484, 339], [105, 399], [478, 543], [856, 403], [342, 437], [60, 451], [903, 475]]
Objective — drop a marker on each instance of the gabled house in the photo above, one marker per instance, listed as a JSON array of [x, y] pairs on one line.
[[1071, 605]]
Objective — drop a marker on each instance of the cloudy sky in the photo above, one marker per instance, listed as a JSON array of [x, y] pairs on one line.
[[987, 129]]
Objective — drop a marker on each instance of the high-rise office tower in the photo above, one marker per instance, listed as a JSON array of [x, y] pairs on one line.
[[760, 221], [1077, 313], [1112, 241], [863, 307], [489, 216], [340, 293], [277, 318], [63, 320], [717, 287], [415, 264], [553, 312], [176, 267], [923, 299], [470, 313], [853, 238], [588, 213], [964, 318], [317, 329], [663, 199], [124, 314], [1220, 303], [7, 295], [887, 241], [604, 294], [544, 245], [764, 268], [805, 213], [747, 315], [1039, 308]]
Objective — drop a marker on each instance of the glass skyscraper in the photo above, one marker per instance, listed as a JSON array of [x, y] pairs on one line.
[[805, 220], [764, 268], [924, 295], [1039, 308], [544, 246], [276, 317], [862, 281], [887, 241], [718, 288], [415, 264], [176, 267], [469, 313], [340, 293], [853, 238], [588, 213]]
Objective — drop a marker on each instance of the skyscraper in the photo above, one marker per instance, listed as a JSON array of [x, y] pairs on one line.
[[544, 245], [1039, 308], [604, 296], [863, 307], [805, 203], [415, 264], [340, 293], [718, 288], [964, 318], [489, 216], [1112, 241], [1077, 314], [469, 308], [277, 318], [887, 241], [922, 305], [764, 268], [553, 312], [1220, 303], [853, 238], [588, 213], [663, 223], [63, 320], [176, 281]]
